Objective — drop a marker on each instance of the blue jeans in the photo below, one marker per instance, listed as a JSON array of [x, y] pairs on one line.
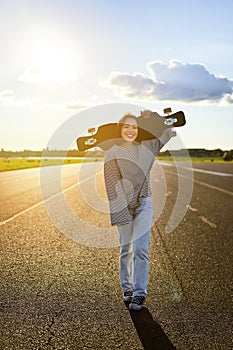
[[134, 249]]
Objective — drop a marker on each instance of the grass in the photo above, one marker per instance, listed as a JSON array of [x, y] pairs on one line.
[[7, 164], [194, 159]]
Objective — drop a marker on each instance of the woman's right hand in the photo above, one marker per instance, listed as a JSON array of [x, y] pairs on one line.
[[146, 114]]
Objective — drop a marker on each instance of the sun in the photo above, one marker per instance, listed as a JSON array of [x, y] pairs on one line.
[[52, 65]]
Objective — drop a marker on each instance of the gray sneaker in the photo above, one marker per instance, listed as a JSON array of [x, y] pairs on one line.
[[136, 303], [128, 295]]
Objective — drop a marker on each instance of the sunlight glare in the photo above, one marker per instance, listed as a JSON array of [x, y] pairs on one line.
[[52, 65]]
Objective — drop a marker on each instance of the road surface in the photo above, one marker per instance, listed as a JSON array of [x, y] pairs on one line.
[[59, 292]]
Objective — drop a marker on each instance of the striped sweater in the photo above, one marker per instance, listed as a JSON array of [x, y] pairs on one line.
[[127, 176]]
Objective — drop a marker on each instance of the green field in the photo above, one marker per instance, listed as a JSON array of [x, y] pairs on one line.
[[7, 164], [194, 159]]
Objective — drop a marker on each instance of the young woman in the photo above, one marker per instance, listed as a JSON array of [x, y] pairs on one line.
[[127, 178]]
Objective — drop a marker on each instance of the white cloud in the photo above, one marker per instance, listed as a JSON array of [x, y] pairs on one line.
[[132, 86], [7, 98], [76, 105], [177, 81], [47, 73], [69, 105], [228, 99]]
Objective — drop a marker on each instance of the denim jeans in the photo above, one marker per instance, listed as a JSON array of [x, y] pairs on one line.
[[134, 246]]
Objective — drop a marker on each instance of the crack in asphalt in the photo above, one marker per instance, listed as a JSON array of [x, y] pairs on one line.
[[51, 333]]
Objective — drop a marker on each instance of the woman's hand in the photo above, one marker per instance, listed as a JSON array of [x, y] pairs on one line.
[[167, 135], [146, 114]]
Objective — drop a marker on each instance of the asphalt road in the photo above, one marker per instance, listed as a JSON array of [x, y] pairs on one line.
[[60, 284]]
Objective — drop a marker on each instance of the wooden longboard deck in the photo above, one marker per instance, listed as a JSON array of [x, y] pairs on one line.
[[148, 128]]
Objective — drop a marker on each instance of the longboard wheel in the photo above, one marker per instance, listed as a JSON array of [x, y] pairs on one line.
[[167, 110], [91, 131]]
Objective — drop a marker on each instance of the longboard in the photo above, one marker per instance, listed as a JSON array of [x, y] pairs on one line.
[[150, 125]]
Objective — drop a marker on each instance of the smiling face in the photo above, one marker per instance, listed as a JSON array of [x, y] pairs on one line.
[[129, 130]]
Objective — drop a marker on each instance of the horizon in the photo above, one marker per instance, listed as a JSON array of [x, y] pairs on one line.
[[70, 57], [99, 149]]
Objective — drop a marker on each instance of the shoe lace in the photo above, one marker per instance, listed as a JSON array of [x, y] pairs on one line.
[[128, 293], [138, 299]]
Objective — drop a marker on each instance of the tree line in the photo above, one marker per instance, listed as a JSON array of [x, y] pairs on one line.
[[97, 152]]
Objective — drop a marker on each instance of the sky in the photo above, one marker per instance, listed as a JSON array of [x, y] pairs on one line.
[[62, 58]]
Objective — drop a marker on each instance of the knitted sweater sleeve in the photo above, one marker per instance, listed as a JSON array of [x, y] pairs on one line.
[[156, 145], [119, 212]]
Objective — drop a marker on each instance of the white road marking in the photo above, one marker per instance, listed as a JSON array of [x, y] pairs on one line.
[[42, 202], [191, 208], [165, 163], [168, 193], [202, 183], [205, 220], [201, 170], [209, 172], [67, 189]]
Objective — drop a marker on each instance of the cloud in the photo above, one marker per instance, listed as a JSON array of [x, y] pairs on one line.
[[177, 81], [228, 99], [7, 98], [47, 73], [76, 105], [67, 105]]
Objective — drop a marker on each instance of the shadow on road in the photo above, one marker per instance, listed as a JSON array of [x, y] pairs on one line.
[[149, 331]]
